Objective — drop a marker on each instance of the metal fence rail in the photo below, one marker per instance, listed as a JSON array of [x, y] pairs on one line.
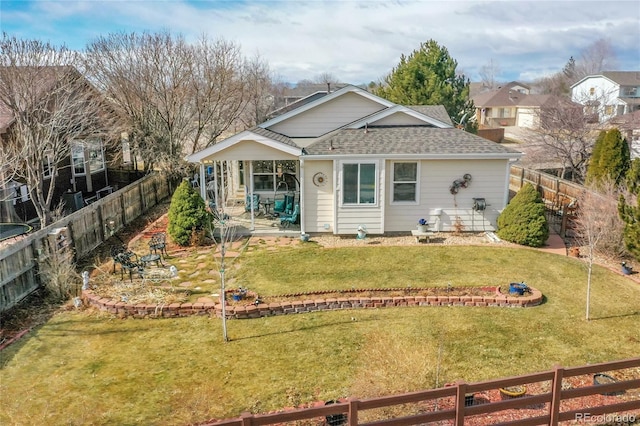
[[86, 229]]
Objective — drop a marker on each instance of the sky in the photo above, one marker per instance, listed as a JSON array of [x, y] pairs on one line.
[[354, 41]]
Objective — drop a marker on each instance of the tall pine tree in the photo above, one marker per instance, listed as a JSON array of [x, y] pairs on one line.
[[428, 77], [630, 210], [594, 172], [610, 159]]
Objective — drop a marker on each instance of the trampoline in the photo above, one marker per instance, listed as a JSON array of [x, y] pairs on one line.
[[9, 230]]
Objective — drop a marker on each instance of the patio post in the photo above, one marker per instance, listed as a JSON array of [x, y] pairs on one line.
[[253, 220], [302, 221], [203, 189], [216, 195]]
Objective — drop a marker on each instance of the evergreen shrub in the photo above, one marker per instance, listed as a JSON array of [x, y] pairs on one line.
[[523, 220], [187, 213]]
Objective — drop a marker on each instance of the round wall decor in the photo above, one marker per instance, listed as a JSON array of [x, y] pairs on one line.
[[319, 179]]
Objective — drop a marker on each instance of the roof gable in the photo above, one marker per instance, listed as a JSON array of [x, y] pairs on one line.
[[383, 103], [258, 135], [402, 115], [324, 117]]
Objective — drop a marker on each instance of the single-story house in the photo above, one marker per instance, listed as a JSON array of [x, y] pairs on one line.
[[357, 160], [513, 105]]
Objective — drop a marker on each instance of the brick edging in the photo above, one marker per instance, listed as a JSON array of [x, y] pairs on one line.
[[174, 310]]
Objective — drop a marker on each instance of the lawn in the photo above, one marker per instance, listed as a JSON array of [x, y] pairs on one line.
[[86, 367]]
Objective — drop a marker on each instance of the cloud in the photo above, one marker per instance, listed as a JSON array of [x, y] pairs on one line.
[[357, 41]]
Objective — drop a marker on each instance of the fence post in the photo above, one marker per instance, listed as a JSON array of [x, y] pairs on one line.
[[143, 204], [556, 397], [245, 418], [353, 412], [123, 209], [461, 390]]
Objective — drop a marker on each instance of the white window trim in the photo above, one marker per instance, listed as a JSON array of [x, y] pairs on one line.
[[85, 146], [392, 182], [376, 204], [46, 172]]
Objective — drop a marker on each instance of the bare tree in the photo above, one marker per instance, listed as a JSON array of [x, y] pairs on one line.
[[229, 246], [221, 90], [564, 136], [595, 58], [598, 227], [488, 74], [179, 98], [148, 76], [51, 106], [261, 91]]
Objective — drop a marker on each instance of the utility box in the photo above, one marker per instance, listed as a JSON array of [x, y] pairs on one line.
[[73, 201]]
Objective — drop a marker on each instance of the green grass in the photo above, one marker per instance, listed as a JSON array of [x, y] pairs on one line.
[[89, 368]]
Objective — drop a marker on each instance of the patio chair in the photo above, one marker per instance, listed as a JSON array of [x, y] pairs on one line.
[[158, 243], [195, 182], [255, 202], [120, 252], [287, 220], [128, 261], [289, 200]]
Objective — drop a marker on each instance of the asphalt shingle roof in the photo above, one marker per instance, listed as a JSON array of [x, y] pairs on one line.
[[273, 135], [434, 111], [418, 140], [623, 78]]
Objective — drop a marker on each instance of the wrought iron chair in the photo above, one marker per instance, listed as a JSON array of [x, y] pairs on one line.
[[158, 243]]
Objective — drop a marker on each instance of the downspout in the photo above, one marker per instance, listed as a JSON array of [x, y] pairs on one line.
[[253, 219], [336, 195], [301, 183]]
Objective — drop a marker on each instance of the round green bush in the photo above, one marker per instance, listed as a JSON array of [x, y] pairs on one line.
[[187, 213], [523, 220]]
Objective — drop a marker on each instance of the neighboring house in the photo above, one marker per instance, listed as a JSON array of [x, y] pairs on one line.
[[357, 159], [608, 94], [81, 177], [511, 105]]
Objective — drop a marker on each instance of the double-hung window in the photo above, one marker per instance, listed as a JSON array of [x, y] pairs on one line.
[[405, 182], [358, 183]]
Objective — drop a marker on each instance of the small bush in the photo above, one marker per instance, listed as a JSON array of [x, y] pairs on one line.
[[523, 221], [58, 275], [187, 213]]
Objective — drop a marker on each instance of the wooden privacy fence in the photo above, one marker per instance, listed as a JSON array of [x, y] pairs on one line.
[[83, 231], [558, 192], [551, 402]]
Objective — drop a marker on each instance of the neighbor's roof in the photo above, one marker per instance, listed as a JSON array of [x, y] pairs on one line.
[[43, 79], [408, 140], [623, 78]]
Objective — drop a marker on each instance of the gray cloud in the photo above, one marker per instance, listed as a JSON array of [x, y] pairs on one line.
[[358, 41]]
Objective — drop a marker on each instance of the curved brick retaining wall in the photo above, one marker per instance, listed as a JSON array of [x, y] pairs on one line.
[[173, 310]]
